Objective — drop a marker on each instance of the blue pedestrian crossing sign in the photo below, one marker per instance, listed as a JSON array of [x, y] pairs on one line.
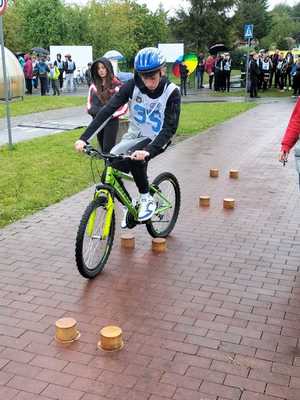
[[248, 31]]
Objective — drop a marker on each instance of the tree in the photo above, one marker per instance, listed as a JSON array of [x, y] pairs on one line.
[[14, 38], [283, 29], [252, 12], [206, 23]]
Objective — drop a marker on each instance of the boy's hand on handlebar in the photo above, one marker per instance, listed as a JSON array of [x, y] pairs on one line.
[[79, 145], [139, 155], [283, 157]]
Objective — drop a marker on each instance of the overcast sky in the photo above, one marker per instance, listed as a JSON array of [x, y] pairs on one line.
[[173, 4]]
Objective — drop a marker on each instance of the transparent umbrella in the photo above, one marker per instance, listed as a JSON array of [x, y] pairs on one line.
[[114, 55]]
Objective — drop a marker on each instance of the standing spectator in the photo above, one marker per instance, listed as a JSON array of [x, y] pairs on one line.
[[28, 73], [104, 85], [281, 72], [200, 71], [243, 65], [88, 74], [54, 78], [48, 79], [41, 70], [35, 80], [261, 74], [227, 71], [254, 74], [289, 64], [274, 59], [219, 74], [69, 68], [183, 78], [60, 65], [296, 78], [210, 69], [266, 70]]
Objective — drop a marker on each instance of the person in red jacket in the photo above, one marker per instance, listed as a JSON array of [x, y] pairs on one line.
[[291, 134], [28, 73]]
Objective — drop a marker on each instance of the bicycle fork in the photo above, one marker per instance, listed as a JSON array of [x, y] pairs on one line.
[[110, 205]]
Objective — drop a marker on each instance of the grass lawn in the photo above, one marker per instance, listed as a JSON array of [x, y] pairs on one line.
[[241, 93], [32, 104], [45, 170]]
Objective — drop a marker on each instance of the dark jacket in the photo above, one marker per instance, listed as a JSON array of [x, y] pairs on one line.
[[69, 66], [254, 71], [172, 112], [183, 71]]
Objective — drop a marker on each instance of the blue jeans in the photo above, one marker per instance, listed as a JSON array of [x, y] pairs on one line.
[[199, 76]]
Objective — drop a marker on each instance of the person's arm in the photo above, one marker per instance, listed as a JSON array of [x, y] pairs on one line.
[[292, 131], [115, 102], [170, 125], [94, 104]]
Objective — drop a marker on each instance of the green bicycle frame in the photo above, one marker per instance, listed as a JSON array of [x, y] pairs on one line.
[[110, 180]]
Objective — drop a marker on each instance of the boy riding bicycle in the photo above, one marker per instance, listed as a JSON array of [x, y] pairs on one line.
[[154, 109]]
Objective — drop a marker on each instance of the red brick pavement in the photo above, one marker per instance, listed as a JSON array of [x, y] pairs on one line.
[[214, 318]]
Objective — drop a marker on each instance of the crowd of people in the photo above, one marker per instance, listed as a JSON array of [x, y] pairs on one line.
[[273, 70], [41, 72], [218, 68]]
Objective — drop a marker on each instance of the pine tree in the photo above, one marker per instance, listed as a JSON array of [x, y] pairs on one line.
[[252, 12], [206, 23]]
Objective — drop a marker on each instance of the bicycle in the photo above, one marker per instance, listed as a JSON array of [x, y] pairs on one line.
[[96, 230]]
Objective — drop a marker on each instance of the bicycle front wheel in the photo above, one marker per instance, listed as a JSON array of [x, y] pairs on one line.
[[95, 238], [167, 198]]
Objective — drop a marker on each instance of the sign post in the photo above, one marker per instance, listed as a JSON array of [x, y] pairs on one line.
[[248, 35], [3, 5]]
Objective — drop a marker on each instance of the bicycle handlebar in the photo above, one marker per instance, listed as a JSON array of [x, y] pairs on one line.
[[91, 151]]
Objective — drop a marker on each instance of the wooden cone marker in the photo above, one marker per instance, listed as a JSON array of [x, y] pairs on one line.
[[234, 174], [228, 203], [214, 173], [66, 330], [204, 201], [159, 245], [110, 338], [127, 241]]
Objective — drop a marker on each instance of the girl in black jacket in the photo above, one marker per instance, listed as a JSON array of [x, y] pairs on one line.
[[104, 86]]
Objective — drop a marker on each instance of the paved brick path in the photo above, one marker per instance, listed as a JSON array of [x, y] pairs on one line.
[[216, 317]]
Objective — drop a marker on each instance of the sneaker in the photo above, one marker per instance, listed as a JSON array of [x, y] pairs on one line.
[[125, 212], [147, 207], [124, 219]]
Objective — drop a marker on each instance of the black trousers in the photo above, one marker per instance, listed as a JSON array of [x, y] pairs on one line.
[[296, 85], [138, 169], [253, 87], [61, 78], [210, 80], [183, 86], [227, 80], [44, 84], [28, 83], [108, 135]]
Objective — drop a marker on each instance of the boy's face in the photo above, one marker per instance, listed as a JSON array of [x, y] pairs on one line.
[[151, 81]]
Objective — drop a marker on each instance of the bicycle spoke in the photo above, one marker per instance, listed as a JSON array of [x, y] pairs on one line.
[[95, 246]]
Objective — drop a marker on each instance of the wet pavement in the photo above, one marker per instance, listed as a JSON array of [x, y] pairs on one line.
[[215, 317]]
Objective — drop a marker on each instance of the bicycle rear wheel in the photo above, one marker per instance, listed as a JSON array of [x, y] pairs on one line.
[[162, 223], [95, 238]]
